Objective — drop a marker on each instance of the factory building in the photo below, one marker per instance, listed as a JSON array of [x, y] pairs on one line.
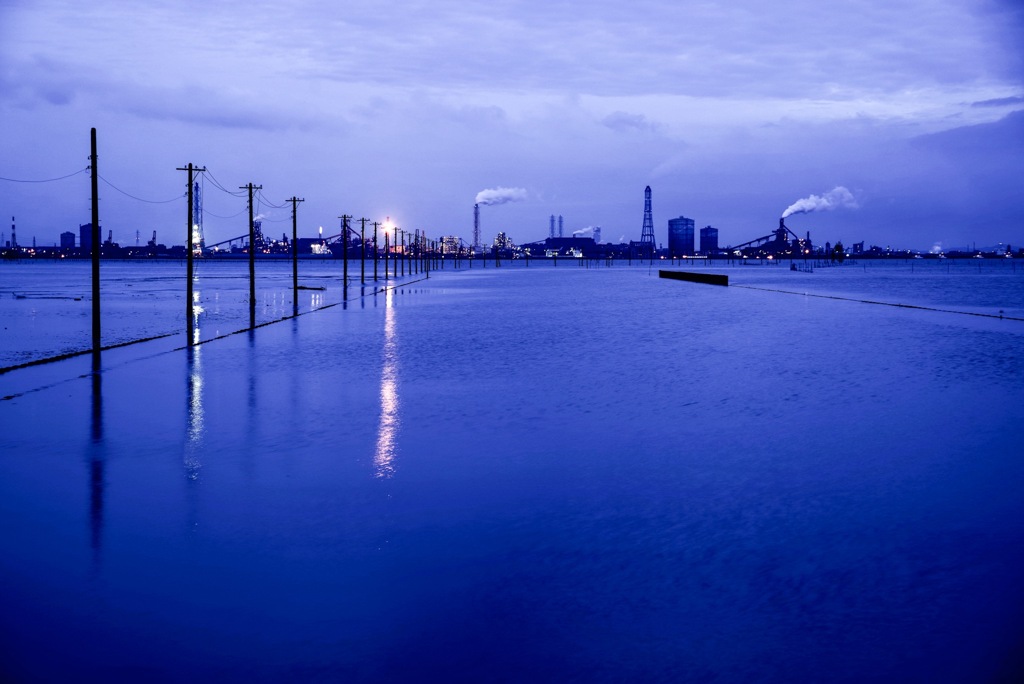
[[680, 237], [85, 237], [708, 241], [67, 240]]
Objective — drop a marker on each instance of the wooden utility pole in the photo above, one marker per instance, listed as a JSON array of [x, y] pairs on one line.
[[344, 241], [375, 252], [93, 164], [190, 330], [252, 257], [362, 244], [295, 253]]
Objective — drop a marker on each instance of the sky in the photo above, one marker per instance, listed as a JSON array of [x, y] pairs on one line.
[[730, 111]]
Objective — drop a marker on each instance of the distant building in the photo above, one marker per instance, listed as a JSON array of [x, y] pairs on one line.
[[85, 237], [67, 240], [708, 240], [502, 242], [680, 237], [597, 234], [450, 244]]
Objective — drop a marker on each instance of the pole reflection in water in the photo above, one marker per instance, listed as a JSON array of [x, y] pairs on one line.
[[194, 438], [384, 459], [96, 460]]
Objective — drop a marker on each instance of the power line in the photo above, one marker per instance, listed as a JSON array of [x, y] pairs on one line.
[[210, 213], [173, 199], [264, 199], [217, 184], [45, 180]]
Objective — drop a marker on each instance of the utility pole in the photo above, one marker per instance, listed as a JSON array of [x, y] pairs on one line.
[[252, 258], [190, 330], [344, 241], [386, 248], [375, 253], [93, 164], [403, 235], [394, 262], [362, 243], [295, 254]]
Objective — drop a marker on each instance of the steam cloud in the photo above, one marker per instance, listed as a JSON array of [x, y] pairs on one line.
[[834, 198], [581, 231], [500, 195]]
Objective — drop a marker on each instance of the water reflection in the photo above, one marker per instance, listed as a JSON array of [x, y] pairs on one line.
[[387, 431], [194, 438], [97, 460], [197, 309]]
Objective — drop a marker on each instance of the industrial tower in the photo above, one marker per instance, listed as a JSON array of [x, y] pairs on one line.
[[476, 228], [198, 242], [647, 243]]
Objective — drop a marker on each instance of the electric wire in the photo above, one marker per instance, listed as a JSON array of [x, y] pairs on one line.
[[45, 180], [217, 184], [207, 212], [128, 194], [268, 202]]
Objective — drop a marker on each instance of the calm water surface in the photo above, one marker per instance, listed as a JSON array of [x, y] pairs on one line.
[[545, 474]]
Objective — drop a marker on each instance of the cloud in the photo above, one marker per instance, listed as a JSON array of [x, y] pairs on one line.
[[624, 122], [999, 102]]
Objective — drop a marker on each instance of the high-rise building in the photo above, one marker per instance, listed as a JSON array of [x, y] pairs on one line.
[[67, 240], [708, 240], [680, 237]]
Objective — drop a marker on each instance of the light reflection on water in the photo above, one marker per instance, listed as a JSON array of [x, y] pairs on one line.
[[194, 441], [385, 455]]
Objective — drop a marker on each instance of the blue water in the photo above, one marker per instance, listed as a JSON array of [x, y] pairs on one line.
[[544, 474]]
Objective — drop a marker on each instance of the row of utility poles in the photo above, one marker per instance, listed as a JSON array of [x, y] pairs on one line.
[[425, 249]]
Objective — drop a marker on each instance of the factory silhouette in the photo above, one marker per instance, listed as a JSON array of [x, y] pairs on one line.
[[779, 243]]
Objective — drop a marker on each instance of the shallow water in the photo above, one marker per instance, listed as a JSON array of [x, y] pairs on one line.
[[555, 474]]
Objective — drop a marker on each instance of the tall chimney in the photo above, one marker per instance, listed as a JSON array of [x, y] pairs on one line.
[[476, 227]]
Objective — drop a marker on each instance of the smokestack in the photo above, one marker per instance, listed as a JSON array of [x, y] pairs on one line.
[[560, 234], [551, 233], [476, 227]]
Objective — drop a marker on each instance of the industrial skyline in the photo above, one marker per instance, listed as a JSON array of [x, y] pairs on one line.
[[916, 110]]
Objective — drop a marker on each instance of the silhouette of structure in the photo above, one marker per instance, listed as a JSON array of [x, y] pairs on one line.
[[709, 240], [198, 242], [680, 237], [647, 243], [476, 227]]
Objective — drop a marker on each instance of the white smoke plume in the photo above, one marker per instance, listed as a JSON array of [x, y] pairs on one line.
[[581, 231], [833, 199], [500, 195]]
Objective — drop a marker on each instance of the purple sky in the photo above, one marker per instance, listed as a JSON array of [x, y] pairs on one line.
[[730, 111]]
